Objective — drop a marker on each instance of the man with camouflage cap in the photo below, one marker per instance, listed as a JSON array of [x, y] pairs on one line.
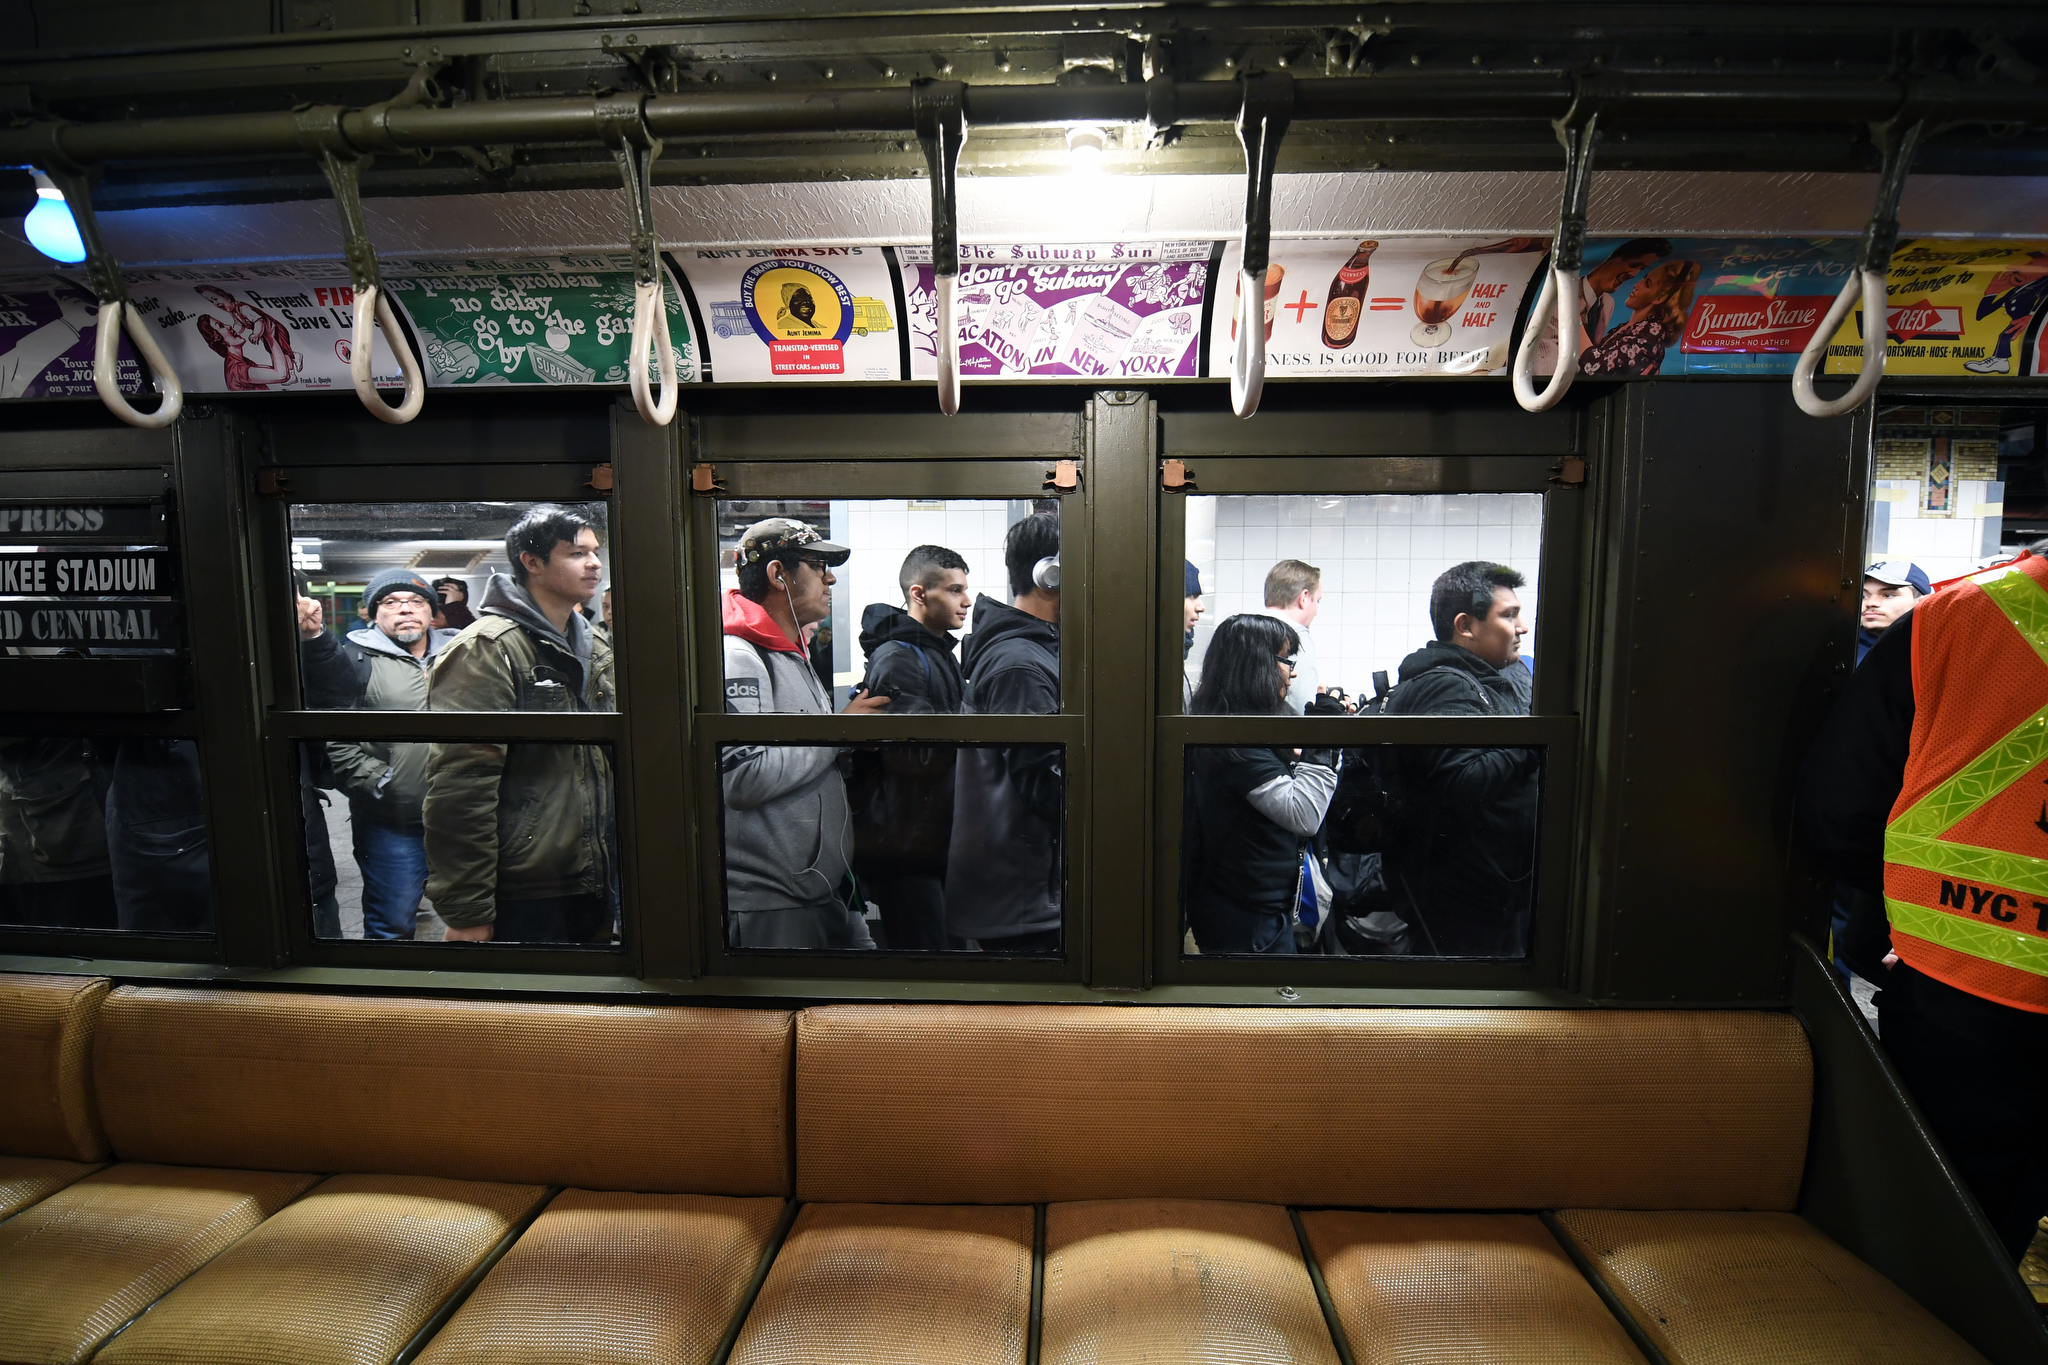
[[788, 841]]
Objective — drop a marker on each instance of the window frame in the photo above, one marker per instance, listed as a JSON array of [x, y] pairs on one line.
[[913, 475], [316, 476], [1554, 724]]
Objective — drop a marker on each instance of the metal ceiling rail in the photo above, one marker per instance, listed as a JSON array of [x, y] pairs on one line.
[[557, 120]]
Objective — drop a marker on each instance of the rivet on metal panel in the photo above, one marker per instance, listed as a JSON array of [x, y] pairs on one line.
[[1569, 472], [1064, 477], [1175, 477], [600, 478], [704, 479]]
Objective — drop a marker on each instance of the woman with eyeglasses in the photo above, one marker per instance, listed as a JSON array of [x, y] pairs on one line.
[[1249, 812]]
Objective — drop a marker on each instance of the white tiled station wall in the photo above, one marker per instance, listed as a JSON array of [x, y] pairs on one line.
[[1379, 555], [1946, 547]]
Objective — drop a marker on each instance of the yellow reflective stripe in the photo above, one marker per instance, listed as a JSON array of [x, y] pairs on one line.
[[1982, 778], [1965, 862], [1970, 937], [2024, 602]]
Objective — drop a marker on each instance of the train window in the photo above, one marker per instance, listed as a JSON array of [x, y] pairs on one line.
[[384, 589], [1426, 851], [104, 832], [896, 605], [478, 841], [1364, 591], [898, 847]]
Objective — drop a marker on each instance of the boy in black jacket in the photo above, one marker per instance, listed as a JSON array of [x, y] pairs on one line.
[[902, 794]]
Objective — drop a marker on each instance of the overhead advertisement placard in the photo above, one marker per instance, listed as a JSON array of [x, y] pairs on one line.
[[223, 329], [1365, 305], [797, 312], [1112, 310], [1958, 309], [1700, 305], [553, 321]]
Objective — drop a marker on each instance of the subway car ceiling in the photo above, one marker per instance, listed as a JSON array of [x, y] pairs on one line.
[[1257, 300]]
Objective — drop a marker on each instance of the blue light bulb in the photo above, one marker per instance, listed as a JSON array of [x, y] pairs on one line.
[[50, 227]]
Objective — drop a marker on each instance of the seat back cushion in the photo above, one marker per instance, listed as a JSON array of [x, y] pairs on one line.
[[609, 1097], [46, 1028], [1386, 1108]]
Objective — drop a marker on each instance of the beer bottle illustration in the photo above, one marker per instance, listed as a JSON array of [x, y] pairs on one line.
[[1347, 298]]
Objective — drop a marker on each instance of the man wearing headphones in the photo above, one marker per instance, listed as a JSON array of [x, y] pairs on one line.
[[1005, 872], [788, 830]]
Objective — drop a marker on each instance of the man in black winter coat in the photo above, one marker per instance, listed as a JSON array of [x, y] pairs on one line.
[[1462, 867], [902, 794], [1006, 872]]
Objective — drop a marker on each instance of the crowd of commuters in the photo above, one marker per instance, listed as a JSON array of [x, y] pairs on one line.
[[1387, 850], [953, 847], [512, 842]]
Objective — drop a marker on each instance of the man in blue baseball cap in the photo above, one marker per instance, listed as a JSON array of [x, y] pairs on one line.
[[1889, 591]]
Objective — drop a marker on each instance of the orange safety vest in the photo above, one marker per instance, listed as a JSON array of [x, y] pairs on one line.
[[1966, 848]]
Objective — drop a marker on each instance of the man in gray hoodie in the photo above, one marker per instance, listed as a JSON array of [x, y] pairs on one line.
[[788, 830]]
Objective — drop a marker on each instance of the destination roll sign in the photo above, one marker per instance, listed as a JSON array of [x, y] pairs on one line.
[[87, 577]]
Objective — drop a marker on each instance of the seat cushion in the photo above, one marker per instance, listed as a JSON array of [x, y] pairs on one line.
[[25, 1180], [46, 1031], [1156, 1280], [1755, 1289], [613, 1097], [614, 1279], [1458, 1108], [1424, 1288], [861, 1283], [76, 1266], [346, 1276]]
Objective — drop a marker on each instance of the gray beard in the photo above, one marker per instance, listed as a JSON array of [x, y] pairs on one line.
[[407, 635]]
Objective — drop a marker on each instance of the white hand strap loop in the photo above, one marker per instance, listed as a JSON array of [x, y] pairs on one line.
[[1558, 285], [106, 373], [648, 311], [1248, 352], [1870, 283], [373, 310], [948, 339]]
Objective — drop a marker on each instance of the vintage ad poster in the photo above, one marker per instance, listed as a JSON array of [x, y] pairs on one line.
[[1109, 310], [555, 321], [1955, 308], [1364, 305], [1700, 305], [224, 329], [796, 312]]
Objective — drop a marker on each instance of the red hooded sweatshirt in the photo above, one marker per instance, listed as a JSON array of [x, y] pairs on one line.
[[750, 621]]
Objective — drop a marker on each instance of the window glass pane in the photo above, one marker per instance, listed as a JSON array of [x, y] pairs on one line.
[[909, 600], [1384, 850], [1352, 577], [385, 590], [901, 847], [103, 833], [506, 843]]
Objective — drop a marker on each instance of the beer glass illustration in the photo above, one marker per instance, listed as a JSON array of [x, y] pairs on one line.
[[1440, 291]]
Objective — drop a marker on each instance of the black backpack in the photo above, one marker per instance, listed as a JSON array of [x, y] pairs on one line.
[[1365, 810]]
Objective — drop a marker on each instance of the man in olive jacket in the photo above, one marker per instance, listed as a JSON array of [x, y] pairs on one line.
[[520, 836]]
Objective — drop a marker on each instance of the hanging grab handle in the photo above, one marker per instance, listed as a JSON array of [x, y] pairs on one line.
[[1873, 258], [939, 109], [1559, 295], [104, 276], [320, 130], [1262, 119], [635, 149]]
